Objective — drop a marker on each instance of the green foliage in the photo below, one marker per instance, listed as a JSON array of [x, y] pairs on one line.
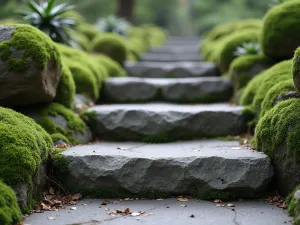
[[10, 213], [294, 204], [112, 24], [48, 17], [74, 123], [296, 69], [36, 48], [281, 30], [24, 145], [111, 45], [248, 48], [65, 91], [59, 137], [88, 30], [275, 92], [113, 68]]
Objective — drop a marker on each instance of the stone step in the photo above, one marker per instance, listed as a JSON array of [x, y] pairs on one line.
[[167, 57], [206, 169], [172, 69], [169, 49], [184, 90], [157, 122]]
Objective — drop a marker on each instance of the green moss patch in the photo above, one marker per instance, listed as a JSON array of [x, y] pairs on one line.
[[113, 68], [35, 47], [281, 30], [74, 123], [294, 205], [280, 125], [296, 69], [111, 45], [24, 145], [275, 92], [66, 89], [10, 213]]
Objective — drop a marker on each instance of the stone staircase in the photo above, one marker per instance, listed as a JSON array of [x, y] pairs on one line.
[[170, 95]]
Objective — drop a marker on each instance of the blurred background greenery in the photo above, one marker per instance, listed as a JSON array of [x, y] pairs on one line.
[[179, 17]]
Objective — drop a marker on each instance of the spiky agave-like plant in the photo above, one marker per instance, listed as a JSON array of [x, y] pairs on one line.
[[248, 48], [48, 17], [112, 24]]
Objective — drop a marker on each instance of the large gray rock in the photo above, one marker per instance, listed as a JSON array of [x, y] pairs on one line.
[[133, 89], [197, 167], [287, 171], [172, 69], [30, 86], [169, 57], [171, 121], [23, 190]]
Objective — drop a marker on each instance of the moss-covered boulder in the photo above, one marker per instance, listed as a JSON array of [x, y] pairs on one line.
[[30, 66], [254, 86], [111, 45], [89, 31], [293, 201], [66, 89], [280, 92], [296, 69], [57, 119], [232, 42], [24, 147], [278, 135], [281, 30], [10, 213], [244, 68]]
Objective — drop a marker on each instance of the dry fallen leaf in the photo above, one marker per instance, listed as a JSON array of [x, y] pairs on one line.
[[135, 214], [230, 205], [73, 208], [105, 202], [220, 205], [182, 199], [217, 201]]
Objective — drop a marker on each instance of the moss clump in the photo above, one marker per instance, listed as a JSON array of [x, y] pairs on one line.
[[280, 125], [111, 45], [281, 30], [270, 79], [113, 68], [36, 47], [155, 35], [244, 68], [296, 69], [232, 42], [88, 30], [74, 124], [24, 146], [10, 213], [252, 88], [66, 89], [274, 93], [84, 80]]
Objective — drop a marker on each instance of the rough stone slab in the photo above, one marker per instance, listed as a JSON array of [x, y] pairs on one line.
[[134, 89], [195, 167], [166, 212], [172, 69], [175, 121], [167, 57]]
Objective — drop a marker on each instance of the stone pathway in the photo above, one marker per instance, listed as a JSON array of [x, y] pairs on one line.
[[163, 212], [207, 169]]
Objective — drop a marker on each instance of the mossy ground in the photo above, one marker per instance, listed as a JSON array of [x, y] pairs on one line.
[[36, 47], [10, 213], [111, 45], [74, 123], [281, 30], [294, 205], [278, 126]]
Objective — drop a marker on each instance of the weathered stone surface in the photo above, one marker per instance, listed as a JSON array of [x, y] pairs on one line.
[[167, 57], [138, 121], [133, 89], [82, 102], [176, 49], [286, 96], [196, 167], [172, 69], [287, 171], [32, 86], [22, 190]]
